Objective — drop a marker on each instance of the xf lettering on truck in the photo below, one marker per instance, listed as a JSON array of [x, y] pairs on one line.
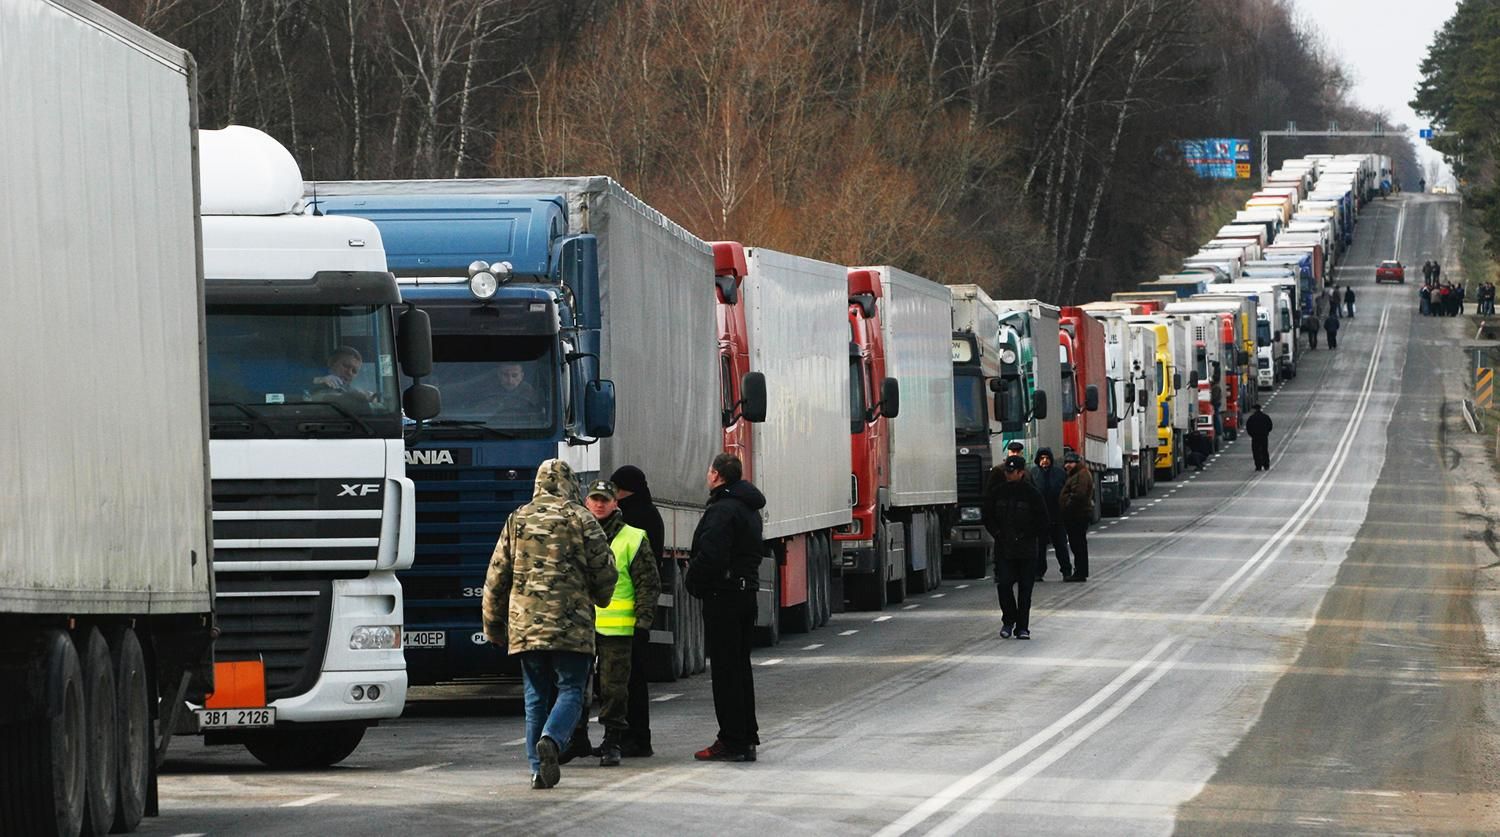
[[358, 489]]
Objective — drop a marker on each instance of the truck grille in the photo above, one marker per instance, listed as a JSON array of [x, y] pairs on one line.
[[970, 479], [297, 520], [283, 622], [460, 512]]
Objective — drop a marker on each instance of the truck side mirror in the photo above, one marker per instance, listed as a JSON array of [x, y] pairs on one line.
[[599, 409], [890, 398], [753, 397], [1039, 405], [1091, 398], [1130, 393], [1176, 380], [414, 342], [1009, 405], [421, 402]]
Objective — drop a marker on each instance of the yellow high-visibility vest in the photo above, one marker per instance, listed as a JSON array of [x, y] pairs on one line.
[[619, 618]]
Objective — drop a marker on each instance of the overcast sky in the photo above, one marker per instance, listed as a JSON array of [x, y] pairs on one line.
[[1382, 44]]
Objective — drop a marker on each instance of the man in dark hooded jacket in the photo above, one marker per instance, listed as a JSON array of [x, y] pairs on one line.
[[1014, 513], [724, 571], [637, 508], [1048, 477]]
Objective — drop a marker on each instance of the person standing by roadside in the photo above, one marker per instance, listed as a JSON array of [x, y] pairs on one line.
[[1437, 271], [550, 568], [1458, 299], [1015, 515], [1077, 505], [1424, 298], [1331, 325], [1310, 328], [636, 506], [1349, 300], [1427, 272], [1048, 478], [631, 609], [1259, 428], [724, 571]]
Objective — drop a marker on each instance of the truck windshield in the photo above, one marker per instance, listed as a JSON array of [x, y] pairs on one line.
[[969, 413], [1069, 395], [1263, 333], [494, 385], [302, 371]]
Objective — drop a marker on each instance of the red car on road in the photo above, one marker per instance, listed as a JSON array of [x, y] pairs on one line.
[[1390, 271]]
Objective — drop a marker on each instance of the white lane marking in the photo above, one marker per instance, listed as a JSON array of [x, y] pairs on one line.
[[514, 743], [1251, 567], [666, 697], [428, 768], [815, 646], [884, 618], [1400, 224], [937, 595], [911, 607], [938, 801], [849, 633], [192, 834], [309, 800], [1003, 788], [962, 587], [770, 662]]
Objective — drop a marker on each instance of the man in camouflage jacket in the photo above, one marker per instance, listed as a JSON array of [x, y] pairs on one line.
[[551, 566]]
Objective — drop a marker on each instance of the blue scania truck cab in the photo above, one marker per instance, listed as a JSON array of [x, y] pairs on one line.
[[513, 299]]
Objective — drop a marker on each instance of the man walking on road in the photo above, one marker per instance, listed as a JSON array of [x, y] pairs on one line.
[[1015, 515], [631, 609], [1259, 428], [634, 495], [724, 571], [549, 570], [1349, 300], [1331, 325], [1310, 328], [1077, 505], [1048, 478]]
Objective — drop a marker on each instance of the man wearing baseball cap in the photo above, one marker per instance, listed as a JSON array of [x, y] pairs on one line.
[[632, 607], [1015, 514]]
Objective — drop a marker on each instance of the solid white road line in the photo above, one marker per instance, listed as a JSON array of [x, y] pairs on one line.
[[309, 800], [1247, 572]]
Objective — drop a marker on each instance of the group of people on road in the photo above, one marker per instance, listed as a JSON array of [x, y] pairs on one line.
[[1025, 508], [1328, 309], [1439, 298], [571, 591]]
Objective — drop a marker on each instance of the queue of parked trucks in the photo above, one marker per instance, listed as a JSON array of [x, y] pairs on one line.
[[257, 520]]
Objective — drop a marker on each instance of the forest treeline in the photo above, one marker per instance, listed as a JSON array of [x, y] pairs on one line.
[[1460, 94], [1025, 145]]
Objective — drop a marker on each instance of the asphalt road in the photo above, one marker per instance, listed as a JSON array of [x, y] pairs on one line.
[[1303, 649]]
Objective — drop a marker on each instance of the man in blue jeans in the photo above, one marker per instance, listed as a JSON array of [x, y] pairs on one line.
[[551, 567]]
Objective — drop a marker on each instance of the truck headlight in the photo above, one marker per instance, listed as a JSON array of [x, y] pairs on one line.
[[375, 638], [969, 514]]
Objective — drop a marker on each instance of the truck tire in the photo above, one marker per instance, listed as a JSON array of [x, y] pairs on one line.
[[101, 711], [43, 775], [935, 530], [132, 729], [825, 579], [311, 748], [769, 636], [698, 659]]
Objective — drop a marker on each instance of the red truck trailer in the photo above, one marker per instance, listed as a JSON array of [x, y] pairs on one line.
[[1085, 424]]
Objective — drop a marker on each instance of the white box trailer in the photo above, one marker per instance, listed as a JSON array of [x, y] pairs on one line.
[[917, 325], [106, 582]]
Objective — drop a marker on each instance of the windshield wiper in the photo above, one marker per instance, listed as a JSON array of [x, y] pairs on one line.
[[255, 418], [469, 424], [307, 426]]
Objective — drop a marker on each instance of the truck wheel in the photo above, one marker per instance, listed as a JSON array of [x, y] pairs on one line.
[[935, 549], [698, 661], [132, 730], [101, 710], [770, 635], [825, 579], [304, 749], [42, 785]]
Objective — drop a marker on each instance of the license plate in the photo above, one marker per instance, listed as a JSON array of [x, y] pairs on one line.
[[236, 718], [424, 639]]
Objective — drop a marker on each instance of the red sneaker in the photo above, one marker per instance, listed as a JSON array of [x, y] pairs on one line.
[[718, 752]]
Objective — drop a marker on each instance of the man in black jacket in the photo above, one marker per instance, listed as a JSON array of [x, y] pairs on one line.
[[1015, 514], [1048, 477], [724, 571], [1259, 428], [639, 511]]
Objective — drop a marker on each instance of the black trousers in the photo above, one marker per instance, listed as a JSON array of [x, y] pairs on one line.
[[1260, 446], [728, 624], [1333, 339], [1057, 535], [1013, 583], [1078, 542], [638, 709]]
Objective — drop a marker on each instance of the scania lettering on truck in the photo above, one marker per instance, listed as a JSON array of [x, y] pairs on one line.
[[570, 319], [783, 339], [106, 575], [901, 329], [313, 513]]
